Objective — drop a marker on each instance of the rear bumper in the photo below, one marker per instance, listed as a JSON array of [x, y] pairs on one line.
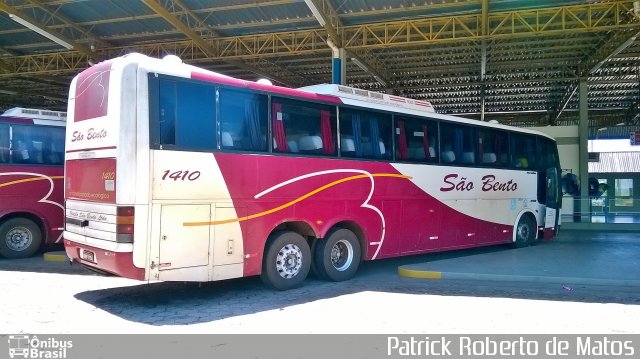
[[118, 263]]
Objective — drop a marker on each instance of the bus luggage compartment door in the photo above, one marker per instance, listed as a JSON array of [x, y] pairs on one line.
[[183, 245], [228, 246]]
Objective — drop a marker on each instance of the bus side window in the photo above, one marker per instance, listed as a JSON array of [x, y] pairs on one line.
[[421, 139], [20, 151], [40, 143], [167, 112], [195, 116], [186, 115], [546, 153], [458, 143], [243, 117], [493, 147], [364, 134], [523, 150], [376, 136], [54, 152], [4, 143], [22, 144], [303, 127]]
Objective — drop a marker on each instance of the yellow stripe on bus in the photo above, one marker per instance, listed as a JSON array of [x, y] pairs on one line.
[[291, 203], [29, 180]]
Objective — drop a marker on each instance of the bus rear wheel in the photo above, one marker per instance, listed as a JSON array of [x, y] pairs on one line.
[[19, 238], [337, 256], [286, 261], [525, 232]]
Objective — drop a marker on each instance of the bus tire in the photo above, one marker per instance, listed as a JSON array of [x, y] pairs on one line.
[[286, 261], [315, 270], [525, 232], [337, 256], [19, 238]]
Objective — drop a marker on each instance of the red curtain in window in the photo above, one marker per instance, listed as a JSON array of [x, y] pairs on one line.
[[327, 134], [402, 141], [425, 142], [278, 128]]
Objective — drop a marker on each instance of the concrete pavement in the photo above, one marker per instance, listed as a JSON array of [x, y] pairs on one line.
[[574, 257]]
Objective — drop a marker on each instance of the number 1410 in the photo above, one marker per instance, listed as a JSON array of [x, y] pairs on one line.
[[181, 175]]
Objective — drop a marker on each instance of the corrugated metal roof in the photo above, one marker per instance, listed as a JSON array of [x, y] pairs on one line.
[[617, 162], [536, 50]]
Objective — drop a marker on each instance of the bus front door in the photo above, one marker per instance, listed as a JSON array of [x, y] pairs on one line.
[[552, 203]]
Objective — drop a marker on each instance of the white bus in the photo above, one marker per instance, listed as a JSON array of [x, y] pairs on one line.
[[177, 173]]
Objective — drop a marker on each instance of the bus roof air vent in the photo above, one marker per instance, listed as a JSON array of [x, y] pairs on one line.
[[173, 59]]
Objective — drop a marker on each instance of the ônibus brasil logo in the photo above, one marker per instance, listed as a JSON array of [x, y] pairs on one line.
[[32, 347]]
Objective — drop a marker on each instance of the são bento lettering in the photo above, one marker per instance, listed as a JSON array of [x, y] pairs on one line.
[[91, 134], [453, 182]]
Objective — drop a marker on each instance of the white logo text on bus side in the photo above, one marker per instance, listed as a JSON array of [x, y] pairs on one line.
[[489, 183], [90, 135]]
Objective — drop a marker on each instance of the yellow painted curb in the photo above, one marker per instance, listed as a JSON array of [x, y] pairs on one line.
[[423, 274], [55, 257]]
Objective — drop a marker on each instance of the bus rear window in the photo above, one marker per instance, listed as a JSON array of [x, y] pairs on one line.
[[92, 90]]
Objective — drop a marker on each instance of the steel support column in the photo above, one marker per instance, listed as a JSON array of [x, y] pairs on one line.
[[483, 57], [338, 63], [583, 153]]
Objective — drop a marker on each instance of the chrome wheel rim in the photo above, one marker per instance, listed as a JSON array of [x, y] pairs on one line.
[[523, 231], [19, 238], [342, 255], [289, 261]]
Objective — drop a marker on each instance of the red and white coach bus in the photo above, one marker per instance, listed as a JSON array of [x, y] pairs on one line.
[[31, 169], [176, 173]]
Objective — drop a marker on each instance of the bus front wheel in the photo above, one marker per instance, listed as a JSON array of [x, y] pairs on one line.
[[525, 232], [286, 261], [19, 238], [337, 256]]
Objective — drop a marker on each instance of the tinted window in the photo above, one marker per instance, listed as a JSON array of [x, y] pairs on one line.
[[243, 120], [4, 143], [187, 114], [56, 149], [302, 127], [37, 145], [493, 147], [547, 153], [523, 151], [457, 144], [360, 131], [416, 139]]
